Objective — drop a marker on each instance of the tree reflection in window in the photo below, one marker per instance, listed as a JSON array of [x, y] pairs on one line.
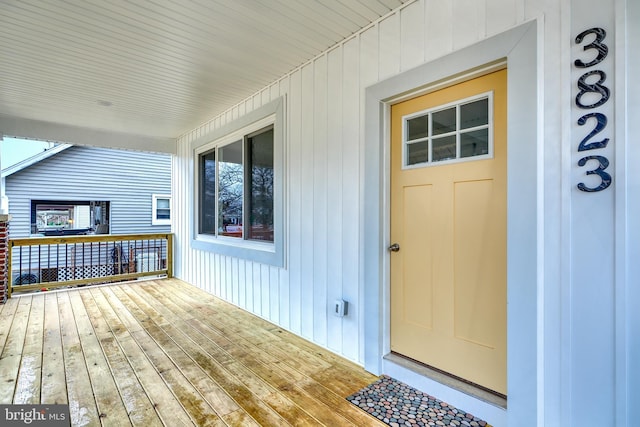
[[240, 190], [261, 201], [208, 193], [231, 178]]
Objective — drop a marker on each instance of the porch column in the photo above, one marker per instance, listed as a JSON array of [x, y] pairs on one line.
[[4, 202], [4, 252], [4, 238]]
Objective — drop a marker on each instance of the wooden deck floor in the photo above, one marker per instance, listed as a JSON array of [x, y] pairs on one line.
[[166, 353]]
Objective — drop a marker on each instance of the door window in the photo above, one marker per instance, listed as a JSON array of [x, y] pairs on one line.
[[449, 133]]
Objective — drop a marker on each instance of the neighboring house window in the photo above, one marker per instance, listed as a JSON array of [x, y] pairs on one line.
[[239, 188], [161, 209], [69, 217]]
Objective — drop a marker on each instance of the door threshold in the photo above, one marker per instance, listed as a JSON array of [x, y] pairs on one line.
[[466, 387]]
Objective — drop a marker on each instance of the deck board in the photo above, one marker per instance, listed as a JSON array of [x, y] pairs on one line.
[[110, 405], [82, 405], [29, 376], [12, 352], [54, 387], [6, 319], [162, 352]]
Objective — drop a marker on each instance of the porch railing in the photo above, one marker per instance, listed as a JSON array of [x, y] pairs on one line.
[[54, 262]]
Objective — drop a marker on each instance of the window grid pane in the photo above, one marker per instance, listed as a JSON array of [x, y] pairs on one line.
[[418, 152], [474, 143], [260, 197], [444, 148], [418, 127], [474, 114], [230, 190], [163, 214], [208, 193], [444, 121]]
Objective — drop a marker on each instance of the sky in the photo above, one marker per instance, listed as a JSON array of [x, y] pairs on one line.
[[15, 150]]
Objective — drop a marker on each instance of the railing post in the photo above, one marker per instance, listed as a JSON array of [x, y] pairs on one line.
[[5, 290], [170, 255]]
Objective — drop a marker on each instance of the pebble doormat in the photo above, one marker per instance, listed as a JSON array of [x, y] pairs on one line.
[[398, 404]]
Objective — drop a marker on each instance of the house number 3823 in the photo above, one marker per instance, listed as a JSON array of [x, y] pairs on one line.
[[592, 94]]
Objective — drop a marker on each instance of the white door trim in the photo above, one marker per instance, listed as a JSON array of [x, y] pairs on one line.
[[627, 208], [519, 46]]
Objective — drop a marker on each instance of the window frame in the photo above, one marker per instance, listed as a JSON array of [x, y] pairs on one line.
[[154, 209], [35, 231], [271, 114], [244, 139], [430, 111]]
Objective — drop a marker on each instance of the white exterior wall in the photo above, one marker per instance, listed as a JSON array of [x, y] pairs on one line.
[[585, 324]]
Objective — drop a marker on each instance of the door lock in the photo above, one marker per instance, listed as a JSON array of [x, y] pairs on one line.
[[394, 248]]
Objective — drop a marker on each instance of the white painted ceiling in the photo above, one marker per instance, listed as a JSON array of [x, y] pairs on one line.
[[159, 67]]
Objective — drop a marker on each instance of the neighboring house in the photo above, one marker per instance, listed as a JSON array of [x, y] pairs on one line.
[[72, 189]]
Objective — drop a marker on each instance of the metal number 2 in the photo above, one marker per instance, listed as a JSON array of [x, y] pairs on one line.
[[601, 123]]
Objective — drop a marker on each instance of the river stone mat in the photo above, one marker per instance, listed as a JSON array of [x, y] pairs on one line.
[[397, 404]]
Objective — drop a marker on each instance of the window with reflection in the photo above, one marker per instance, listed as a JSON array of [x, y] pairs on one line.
[[236, 188], [70, 217]]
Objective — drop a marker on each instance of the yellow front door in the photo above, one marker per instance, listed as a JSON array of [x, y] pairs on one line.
[[448, 217]]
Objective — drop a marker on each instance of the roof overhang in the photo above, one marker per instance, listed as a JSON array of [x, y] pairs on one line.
[[140, 74], [34, 159]]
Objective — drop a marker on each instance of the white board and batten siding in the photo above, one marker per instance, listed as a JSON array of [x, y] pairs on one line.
[[127, 179], [325, 207], [324, 171]]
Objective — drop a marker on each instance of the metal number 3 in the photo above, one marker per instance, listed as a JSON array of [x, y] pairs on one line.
[[605, 178], [597, 44]]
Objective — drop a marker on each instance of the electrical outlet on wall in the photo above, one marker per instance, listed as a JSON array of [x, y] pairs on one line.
[[340, 308]]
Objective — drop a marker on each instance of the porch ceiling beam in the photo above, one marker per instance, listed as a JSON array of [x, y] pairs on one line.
[[46, 131]]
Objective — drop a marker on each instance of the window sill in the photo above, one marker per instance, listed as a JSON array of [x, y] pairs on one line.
[[264, 253], [161, 222]]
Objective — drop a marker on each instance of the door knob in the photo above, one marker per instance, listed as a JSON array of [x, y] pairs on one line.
[[394, 248]]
